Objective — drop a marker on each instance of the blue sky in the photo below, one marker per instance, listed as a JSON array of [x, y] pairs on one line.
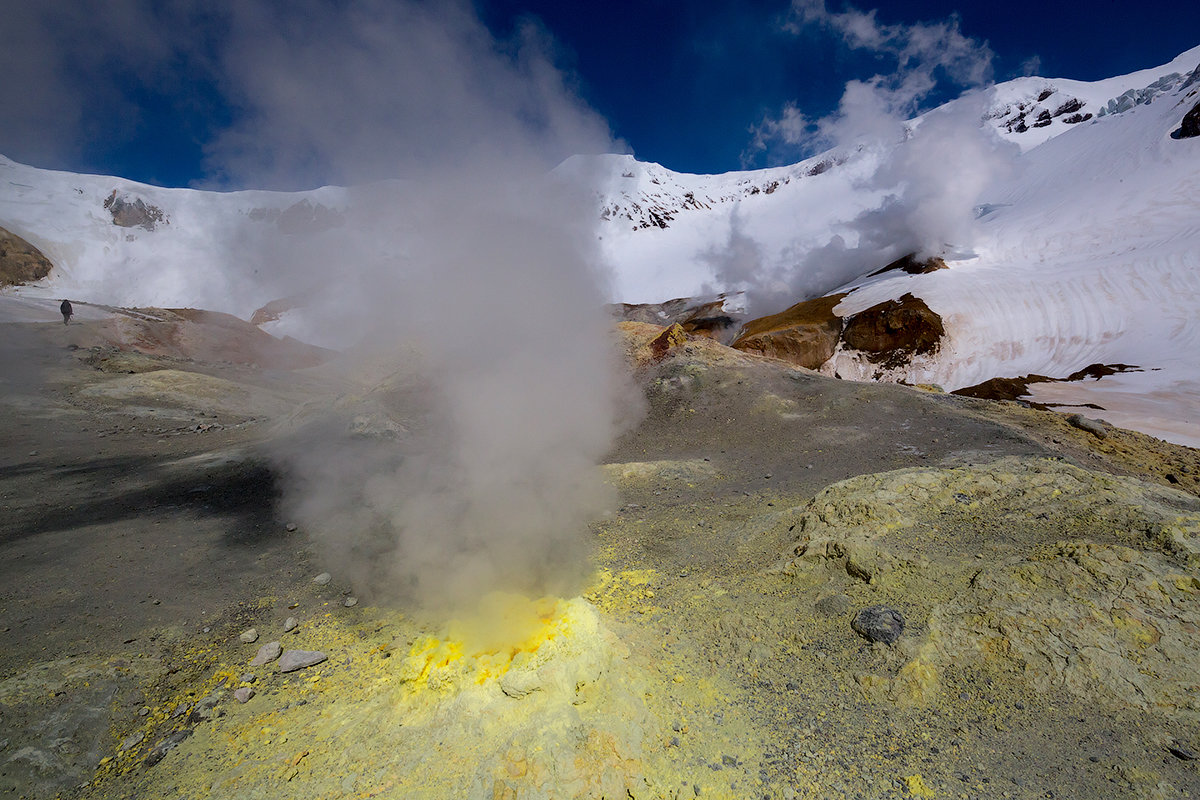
[[162, 91]]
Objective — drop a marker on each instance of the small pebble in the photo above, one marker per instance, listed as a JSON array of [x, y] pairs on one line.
[[249, 636], [290, 624], [249, 677], [291, 527], [322, 579], [243, 694], [350, 602], [143, 711]]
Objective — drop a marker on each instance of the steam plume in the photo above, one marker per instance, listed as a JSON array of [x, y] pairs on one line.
[[480, 388], [927, 174]]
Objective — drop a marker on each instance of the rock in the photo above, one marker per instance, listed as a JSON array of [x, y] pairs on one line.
[[1090, 425], [913, 266], [834, 605], [290, 624], [249, 677], [1181, 752], [1191, 123], [350, 602], [203, 709], [892, 332], [134, 212], [249, 636], [243, 694], [293, 660], [132, 740], [695, 316], [518, 683], [805, 334], [672, 337], [21, 262], [879, 624], [266, 654], [322, 579], [164, 745]]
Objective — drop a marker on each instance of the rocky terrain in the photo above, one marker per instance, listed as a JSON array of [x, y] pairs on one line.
[[804, 587]]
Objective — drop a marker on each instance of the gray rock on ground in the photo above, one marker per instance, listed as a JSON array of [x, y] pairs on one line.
[[322, 579], [266, 654], [1092, 426], [293, 660], [879, 624], [290, 624], [164, 745], [133, 740], [834, 605], [243, 694], [249, 636]]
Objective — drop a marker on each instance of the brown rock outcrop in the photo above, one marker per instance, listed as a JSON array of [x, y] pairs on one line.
[[913, 266], [134, 212], [894, 331], [670, 338], [20, 261], [709, 319], [805, 334]]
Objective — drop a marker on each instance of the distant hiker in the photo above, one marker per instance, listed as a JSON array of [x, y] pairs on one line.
[[67, 311]]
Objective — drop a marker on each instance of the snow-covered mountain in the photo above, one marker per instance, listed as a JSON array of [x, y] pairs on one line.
[[1077, 242], [1086, 248]]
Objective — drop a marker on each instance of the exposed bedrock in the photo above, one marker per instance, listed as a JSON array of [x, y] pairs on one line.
[[133, 212], [1191, 123], [894, 331], [697, 317], [805, 334], [20, 261]]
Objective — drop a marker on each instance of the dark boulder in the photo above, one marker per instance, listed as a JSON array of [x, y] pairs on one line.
[[879, 624], [1190, 126]]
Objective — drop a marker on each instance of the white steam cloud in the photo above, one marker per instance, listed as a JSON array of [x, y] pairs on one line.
[[481, 389], [466, 460], [929, 172]]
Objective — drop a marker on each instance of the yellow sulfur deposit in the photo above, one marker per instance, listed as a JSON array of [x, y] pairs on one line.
[[507, 630]]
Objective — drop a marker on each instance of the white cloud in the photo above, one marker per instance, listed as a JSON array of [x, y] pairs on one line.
[[922, 53]]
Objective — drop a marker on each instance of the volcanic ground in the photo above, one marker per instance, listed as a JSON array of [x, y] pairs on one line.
[[1039, 585]]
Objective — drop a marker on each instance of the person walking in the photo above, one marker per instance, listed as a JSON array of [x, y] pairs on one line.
[[67, 311]]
